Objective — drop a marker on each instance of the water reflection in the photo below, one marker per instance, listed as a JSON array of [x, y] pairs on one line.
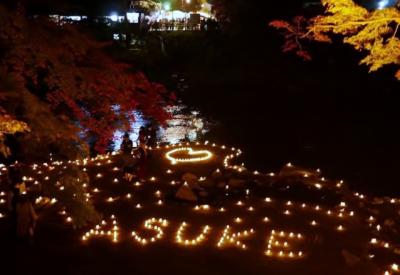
[[186, 125]]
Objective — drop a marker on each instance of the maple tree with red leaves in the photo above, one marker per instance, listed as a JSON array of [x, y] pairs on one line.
[[62, 84]]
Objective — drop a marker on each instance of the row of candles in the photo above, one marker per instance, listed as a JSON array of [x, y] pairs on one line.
[[239, 168]]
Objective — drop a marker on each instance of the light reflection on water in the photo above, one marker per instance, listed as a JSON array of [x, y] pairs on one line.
[[185, 125]]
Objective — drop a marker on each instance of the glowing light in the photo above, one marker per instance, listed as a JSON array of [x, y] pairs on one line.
[[132, 17], [318, 186], [114, 17], [99, 231], [229, 239], [238, 220], [383, 4], [275, 244], [167, 6], [154, 225], [193, 242], [194, 156]]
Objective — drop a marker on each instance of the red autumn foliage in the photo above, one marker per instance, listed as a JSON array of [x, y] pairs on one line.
[[78, 87], [293, 33]]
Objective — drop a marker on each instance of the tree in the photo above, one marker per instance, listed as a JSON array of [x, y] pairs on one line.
[[61, 83], [9, 126], [374, 33], [66, 88], [145, 6]]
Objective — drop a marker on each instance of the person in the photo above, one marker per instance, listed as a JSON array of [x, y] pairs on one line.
[[126, 145], [126, 148], [26, 219], [152, 135], [142, 139], [16, 188], [141, 164]]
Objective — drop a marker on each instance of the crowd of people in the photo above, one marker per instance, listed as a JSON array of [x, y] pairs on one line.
[[134, 159], [182, 25]]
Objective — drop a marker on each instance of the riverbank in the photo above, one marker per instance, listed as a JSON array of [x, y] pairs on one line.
[[293, 221], [279, 109]]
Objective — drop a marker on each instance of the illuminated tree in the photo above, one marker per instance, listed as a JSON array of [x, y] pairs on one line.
[[373, 32], [145, 5], [64, 86], [9, 126]]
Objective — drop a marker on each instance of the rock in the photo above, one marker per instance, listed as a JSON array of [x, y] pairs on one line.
[[216, 175], [375, 212], [318, 239], [378, 201], [203, 194], [389, 223], [186, 194], [188, 177], [236, 183], [221, 184], [350, 259], [207, 183], [292, 171]]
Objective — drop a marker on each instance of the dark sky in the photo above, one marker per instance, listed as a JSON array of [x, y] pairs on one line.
[[74, 6], [271, 8]]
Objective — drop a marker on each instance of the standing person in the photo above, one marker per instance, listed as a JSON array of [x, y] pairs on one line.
[[126, 145], [141, 165], [26, 219], [152, 134], [15, 190], [142, 137], [126, 148]]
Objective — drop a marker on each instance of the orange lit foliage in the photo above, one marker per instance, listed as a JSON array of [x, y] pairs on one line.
[[373, 32], [9, 126], [62, 84]]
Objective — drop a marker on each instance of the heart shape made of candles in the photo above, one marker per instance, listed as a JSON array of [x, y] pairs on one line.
[[192, 155]]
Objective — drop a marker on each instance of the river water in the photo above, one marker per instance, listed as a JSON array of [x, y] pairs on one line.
[[349, 136], [329, 113]]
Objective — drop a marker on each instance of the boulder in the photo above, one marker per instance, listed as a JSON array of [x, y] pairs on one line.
[[350, 259], [186, 194], [389, 223], [221, 184], [236, 183], [216, 175], [306, 175], [207, 183], [188, 177], [378, 201]]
